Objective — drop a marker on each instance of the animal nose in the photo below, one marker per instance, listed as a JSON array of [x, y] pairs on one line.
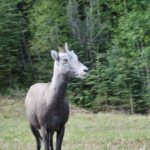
[[86, 70]]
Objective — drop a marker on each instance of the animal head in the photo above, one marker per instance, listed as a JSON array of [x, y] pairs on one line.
[[67, 63]]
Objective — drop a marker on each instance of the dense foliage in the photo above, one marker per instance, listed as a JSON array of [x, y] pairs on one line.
[[111, 37]]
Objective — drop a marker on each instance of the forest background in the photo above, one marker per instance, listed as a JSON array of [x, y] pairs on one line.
[[112, 37]]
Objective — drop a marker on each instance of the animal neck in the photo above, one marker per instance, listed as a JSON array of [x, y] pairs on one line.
[[59, 82], [58, 86]]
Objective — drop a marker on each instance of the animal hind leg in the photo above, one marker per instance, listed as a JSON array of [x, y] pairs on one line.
[[37, 135], [45, 137]]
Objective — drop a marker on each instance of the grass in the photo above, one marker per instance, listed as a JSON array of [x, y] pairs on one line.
[[84, 131]]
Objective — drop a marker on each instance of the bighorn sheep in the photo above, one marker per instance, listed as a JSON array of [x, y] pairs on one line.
[[47, 109]]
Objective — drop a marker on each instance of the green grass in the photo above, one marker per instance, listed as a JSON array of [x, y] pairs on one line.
[[84, 131]]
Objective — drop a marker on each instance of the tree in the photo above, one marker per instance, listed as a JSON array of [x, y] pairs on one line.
[[126, 58], [10, 31], [48, 27]]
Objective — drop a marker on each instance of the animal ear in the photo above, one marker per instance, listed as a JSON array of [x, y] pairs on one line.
[[66, 47], [55, 55], [72, 51]]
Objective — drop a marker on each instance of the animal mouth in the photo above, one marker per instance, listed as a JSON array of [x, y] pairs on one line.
[[76, 75], [82, 76]]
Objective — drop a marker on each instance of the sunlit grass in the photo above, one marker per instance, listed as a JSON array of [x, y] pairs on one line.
[[84, 131]]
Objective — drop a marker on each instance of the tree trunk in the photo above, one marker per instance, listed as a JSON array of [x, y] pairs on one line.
[[131, 100], [146, 69], [125, 6], [106, 106]]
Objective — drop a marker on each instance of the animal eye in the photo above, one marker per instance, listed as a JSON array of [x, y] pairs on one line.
[[65, 60]]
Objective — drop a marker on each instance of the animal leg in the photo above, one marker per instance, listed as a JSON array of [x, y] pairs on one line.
[[45, 138], [60, 135], [37, 137], [51, 140]]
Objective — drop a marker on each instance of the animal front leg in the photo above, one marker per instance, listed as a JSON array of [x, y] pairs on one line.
[[60, 135], [45, 138], [51, 140]]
